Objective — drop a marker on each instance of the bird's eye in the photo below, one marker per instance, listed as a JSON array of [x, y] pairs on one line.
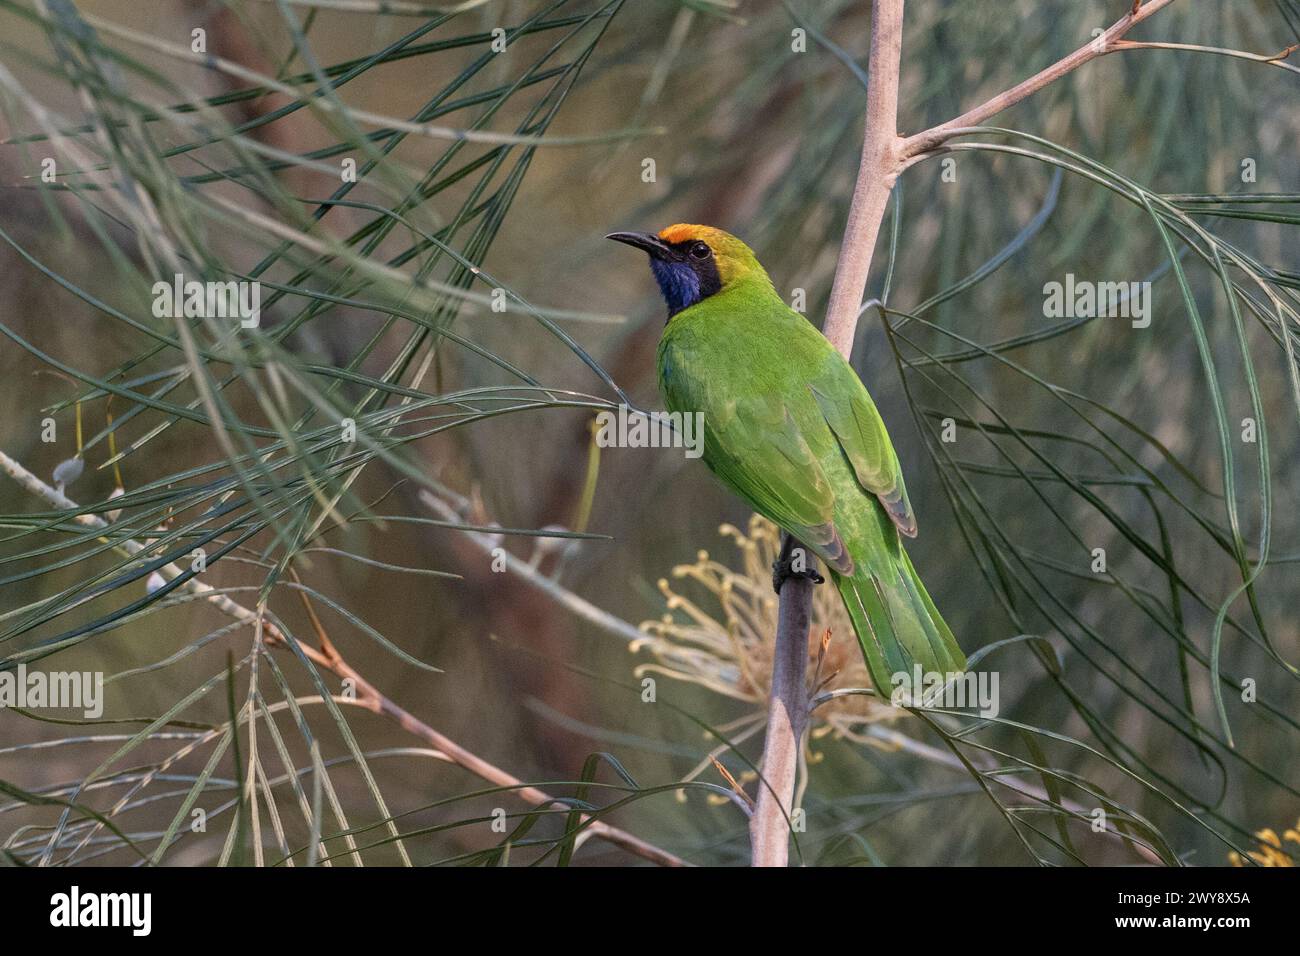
[[701, 250]]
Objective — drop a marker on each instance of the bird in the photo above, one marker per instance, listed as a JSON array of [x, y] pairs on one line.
[[791, 429]]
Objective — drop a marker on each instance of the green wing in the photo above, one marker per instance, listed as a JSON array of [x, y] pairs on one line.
[[758, 449], [860, 431], [755, 446]]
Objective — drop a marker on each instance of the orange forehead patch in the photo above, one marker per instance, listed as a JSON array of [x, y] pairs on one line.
[[683, 231]]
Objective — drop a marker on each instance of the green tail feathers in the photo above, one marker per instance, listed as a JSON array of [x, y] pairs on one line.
[[897, 624]]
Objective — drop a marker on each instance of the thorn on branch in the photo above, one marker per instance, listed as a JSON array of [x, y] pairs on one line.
[[736, 788], [1277, 58]]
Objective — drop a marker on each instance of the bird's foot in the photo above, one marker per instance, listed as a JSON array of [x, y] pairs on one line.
[[783, 568]]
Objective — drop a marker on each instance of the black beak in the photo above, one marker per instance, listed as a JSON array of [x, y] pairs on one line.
[[656, 247]]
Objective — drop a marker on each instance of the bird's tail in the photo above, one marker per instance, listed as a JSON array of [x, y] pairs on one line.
[[897, 624]]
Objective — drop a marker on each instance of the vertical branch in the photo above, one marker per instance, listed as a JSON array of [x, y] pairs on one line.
[[787, 712], [787, 715], [877, 172]]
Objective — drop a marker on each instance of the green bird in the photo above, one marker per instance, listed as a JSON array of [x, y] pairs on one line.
[[789, 427]]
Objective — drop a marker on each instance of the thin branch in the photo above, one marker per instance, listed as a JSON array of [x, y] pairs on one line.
[[877, 171], [920, 143], [373, 700], [367, 694], [1277, 59], [557, 592], [787, 714]]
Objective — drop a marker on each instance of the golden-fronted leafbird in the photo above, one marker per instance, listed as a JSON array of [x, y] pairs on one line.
[[790, 428]]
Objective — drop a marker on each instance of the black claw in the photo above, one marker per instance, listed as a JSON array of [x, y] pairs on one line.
[[783, 566], [784, 569]]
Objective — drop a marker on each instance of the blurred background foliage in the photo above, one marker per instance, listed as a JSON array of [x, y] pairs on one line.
[[481, 169]]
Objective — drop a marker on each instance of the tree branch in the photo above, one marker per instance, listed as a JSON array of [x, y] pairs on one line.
[[877, 171], [787, 713], [578, 606], [329, 658], [920, 143]]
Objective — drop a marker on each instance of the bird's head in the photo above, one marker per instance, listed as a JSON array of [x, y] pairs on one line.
[[691, 263]]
